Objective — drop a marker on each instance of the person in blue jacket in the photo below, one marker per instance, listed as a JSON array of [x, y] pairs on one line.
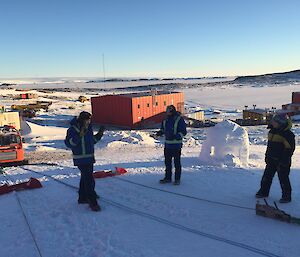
[[174, 129], [80, 139]]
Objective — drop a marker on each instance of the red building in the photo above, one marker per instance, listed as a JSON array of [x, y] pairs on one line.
[[296, 97], [294, 107], [136, 110]]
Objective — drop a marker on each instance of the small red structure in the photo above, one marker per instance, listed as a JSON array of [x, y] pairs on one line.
[[136, 110], [112, 173], [296, 97], [294, 107], [31, 184]]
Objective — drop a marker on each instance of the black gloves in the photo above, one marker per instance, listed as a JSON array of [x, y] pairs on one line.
[[100, 132], [159, 133], [168, 136]]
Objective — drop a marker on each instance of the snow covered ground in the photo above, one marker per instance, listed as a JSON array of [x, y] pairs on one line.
[[98, 83], [210, 214]]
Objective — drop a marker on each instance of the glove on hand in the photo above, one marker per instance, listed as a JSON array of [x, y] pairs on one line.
[[159, 133], [101, 130]]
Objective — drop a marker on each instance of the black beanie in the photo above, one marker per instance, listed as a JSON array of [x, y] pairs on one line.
[[84, 116], [172, 109]]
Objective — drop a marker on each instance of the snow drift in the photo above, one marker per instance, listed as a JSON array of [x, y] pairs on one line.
[[226, 144]]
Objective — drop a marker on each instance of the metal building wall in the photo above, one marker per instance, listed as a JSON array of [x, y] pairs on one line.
[[133, 111], [296, 97], [151, 109], [112, 110]]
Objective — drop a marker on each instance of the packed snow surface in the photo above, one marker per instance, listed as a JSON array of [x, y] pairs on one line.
[[211, 214]]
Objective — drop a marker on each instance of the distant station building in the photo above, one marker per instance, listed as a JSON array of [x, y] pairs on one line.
[[196, 119], [26, 96], [196, 115], [255, 114], [135, 110], [294, 107]]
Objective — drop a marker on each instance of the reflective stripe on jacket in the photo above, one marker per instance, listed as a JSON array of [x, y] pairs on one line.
[[281, 144], [174, 129], [82, 146]]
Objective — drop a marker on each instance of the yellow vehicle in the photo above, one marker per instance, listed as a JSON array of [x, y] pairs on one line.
[[33, 106], [82, 99]]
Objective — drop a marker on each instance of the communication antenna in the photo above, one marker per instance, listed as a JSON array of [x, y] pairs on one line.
[[103, 66]]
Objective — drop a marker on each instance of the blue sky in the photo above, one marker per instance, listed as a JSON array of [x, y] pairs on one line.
[[168, 38]]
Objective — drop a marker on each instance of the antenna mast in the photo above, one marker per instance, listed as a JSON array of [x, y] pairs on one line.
[[103, 66]]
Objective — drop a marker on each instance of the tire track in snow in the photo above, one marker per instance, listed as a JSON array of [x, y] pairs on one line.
[[167, 222], [184, 195]]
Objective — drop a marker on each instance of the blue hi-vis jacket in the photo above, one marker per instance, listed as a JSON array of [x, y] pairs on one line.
[[82, 147], [174, 129]]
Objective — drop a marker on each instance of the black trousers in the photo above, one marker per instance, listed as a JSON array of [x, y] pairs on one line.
[[283, 175], [87, 184], [169, 155]]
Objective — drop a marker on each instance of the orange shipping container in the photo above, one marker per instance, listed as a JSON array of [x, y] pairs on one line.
[[136, 110]]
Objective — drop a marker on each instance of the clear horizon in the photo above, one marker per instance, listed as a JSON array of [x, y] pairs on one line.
[[141, 77], [144, 39]]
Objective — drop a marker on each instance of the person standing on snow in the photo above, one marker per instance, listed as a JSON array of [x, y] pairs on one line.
[[81, 140], [281, 146], [174, 129]]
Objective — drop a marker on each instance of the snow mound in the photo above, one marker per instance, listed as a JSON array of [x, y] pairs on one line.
[[226, 144], [45, 148], [25, 128], [119, 139], [43, 138], [46, 132]]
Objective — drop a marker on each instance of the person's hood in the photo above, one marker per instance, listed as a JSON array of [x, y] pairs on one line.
[[289, 125], [74, 121]]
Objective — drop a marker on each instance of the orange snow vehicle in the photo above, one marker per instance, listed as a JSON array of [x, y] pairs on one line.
[[11, 147]]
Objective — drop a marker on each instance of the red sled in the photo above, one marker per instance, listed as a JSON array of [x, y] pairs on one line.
[[111, 173], [31, 184]]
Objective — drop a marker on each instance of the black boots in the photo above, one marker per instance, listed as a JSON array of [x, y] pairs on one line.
[[285, 199], [165, 181], [259, 194], [95, 207]]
